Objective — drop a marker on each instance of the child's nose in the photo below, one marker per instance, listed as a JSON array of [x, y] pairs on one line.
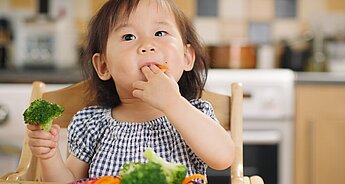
[[147, 47], [143, 50]]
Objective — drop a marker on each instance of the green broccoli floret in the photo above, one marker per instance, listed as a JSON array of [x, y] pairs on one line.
[[129, 167], [41, 112], [156, 170], [139, 173], [174, 172]]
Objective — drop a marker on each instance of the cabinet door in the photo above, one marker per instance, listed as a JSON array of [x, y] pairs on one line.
[[320, 133], [328, 150]]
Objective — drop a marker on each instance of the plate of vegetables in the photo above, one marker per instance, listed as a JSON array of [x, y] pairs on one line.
[[156, 170]]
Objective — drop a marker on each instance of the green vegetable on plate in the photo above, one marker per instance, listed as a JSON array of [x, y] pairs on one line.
[[156, 170]]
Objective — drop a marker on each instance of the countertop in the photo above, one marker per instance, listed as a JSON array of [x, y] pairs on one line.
[[56, 76], [320, 77], [74, 75]]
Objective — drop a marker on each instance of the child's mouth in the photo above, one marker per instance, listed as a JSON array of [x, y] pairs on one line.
[[161, 67]]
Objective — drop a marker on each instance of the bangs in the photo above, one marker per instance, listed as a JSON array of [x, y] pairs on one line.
[[125, 9], [121, 12]]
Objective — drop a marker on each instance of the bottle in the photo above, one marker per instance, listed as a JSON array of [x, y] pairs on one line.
[[66, 49], [5, 39], [318, 59]]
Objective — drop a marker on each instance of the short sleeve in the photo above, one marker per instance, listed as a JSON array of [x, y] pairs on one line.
[[205, 107], [83, 133]]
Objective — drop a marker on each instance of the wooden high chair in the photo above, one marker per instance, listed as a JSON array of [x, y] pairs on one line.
[[228, 110], [73, 98]]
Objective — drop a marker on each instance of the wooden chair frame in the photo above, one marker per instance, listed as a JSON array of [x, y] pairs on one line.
[[228, 110]]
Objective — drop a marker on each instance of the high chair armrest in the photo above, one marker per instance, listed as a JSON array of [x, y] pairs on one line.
[[23, 165], [25, 169], [20, 172], [13, 176], [4, 177]]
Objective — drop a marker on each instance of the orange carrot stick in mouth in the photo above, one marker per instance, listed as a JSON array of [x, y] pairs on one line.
[[162, 67]]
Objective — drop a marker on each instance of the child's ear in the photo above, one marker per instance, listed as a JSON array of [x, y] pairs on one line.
[[101, 67], [189, 57]]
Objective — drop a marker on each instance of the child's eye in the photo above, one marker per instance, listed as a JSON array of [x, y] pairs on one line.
[[161, 33], [128, 37]]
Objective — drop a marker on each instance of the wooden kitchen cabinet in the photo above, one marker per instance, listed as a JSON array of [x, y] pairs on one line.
[[320, 133]]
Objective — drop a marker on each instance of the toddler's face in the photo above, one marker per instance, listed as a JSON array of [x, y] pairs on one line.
[[150, 36]]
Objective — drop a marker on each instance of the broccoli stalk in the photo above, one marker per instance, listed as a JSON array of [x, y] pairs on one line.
[[174, 172], [41, 112]]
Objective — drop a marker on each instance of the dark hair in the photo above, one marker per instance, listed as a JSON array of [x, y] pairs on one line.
[[191, 82]]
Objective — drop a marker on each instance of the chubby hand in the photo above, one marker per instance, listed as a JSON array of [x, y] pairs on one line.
[[159, 89], [43, 144]]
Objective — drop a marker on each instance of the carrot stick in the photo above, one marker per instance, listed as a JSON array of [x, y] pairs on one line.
[[162, 67], [108, 180], [193, 177]]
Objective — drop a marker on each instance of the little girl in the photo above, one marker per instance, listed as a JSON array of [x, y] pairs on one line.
[[139, 104]]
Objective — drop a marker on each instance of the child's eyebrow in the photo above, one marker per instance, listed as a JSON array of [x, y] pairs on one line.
[[125, 24], [164, 23], [120, 26]]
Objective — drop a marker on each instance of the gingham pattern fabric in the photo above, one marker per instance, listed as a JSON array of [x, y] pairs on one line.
[[106, 144]]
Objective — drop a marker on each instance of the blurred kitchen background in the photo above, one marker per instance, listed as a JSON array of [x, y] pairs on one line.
[[303, 35], [294, 49]]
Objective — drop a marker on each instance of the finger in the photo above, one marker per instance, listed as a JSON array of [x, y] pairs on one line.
[[40, 150], [147, 72], [42, 143], [47, 155], [40, 134], [155, 69], [33, 127], [139, 85], [137, 93], [55, 130]]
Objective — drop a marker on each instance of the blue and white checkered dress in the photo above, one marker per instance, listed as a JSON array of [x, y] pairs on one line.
[[106, 144]]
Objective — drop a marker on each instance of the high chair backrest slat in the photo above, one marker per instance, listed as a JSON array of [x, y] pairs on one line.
[[72, 98], [228, 110]]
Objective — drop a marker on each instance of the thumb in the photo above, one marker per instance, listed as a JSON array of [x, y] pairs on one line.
[[55, 131], [33, 127]]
